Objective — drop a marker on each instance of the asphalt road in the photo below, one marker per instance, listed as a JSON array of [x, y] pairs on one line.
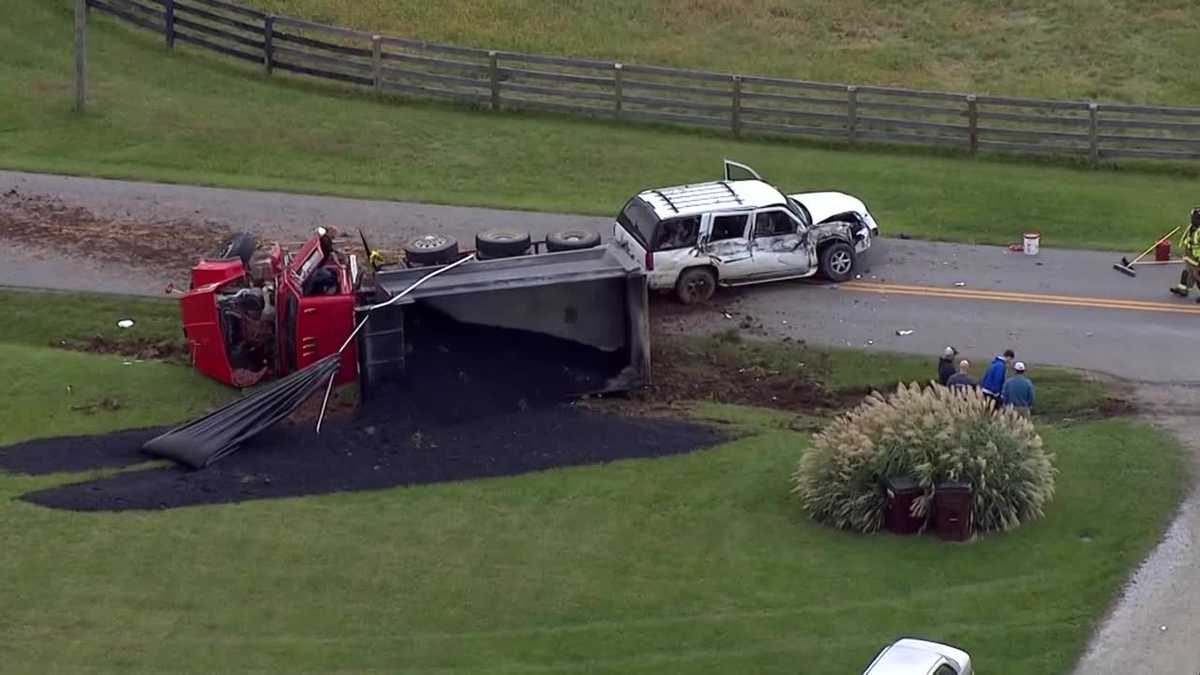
[[1060, 307], [1091, 330]]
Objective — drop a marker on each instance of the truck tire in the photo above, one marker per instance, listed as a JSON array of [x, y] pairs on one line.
[[572, 240], [502, 243], [696, 285], [240, 246], [431, 249], [837, 261]]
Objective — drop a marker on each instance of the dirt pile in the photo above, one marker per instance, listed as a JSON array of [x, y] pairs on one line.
[[373, 451], [167, 246], [688, 373], [138, 348]]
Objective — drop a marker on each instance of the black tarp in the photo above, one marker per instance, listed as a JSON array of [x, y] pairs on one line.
[[207, 439]]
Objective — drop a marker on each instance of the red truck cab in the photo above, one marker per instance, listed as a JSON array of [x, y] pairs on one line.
[[246, 326]]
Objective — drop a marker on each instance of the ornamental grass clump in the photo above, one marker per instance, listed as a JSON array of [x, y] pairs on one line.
[[931, 434]]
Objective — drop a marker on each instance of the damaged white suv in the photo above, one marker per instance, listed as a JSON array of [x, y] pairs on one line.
[[741, 230]]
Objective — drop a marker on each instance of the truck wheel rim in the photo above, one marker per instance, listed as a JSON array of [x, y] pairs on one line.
[[840, 262], [698, 287], [428, 242]]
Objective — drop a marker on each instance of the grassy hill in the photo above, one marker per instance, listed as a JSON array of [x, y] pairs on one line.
[[1136, 50], [188, 116]]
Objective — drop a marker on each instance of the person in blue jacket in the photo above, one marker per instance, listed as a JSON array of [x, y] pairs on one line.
[[992, 383], [1018, 391]]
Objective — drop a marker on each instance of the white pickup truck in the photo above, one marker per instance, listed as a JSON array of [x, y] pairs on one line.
[[741, 230]]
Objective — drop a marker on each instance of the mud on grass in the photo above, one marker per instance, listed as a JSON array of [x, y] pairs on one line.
[[689, 371], [142, 348]]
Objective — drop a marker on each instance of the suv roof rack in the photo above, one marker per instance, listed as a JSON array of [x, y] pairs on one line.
[[717, 193]]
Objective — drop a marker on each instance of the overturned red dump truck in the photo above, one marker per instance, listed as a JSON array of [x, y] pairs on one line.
[[519, 323]]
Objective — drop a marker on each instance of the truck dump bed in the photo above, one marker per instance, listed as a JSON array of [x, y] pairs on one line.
[[495, 333]]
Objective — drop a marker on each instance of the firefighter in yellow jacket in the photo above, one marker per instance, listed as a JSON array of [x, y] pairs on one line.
[[1189, 246]]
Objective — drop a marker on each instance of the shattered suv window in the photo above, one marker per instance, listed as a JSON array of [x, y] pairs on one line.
[[677, 233], [638, 218], [728, 227], [773, 224]]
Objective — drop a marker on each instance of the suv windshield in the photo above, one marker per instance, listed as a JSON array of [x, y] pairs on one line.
[[638, 218], [801, 212]]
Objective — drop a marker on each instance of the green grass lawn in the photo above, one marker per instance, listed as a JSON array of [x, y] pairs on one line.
[[1109, 49], [186, 117], [692, 564]]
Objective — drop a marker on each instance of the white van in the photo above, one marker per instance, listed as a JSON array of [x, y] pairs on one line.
[[741, 230]]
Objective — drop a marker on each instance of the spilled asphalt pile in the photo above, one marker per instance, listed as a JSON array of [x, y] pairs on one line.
[[367, 452]]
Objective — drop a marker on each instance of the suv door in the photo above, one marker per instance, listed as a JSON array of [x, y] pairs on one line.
[[727, 245], [780, 245]]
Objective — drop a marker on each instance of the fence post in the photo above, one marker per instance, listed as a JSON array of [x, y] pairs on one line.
[[1093, 133], [169, 22], [852, 112], [80, 54], [269, 43], [377, 63], [972, 123], [617, 86], [494, 76], [735, 111]]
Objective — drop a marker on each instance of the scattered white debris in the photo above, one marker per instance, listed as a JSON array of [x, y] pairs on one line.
[[870, 342], [960, 284], [902, 333], [857, 276], [125, 323], [784, 322], [727, 315], [1163, 628], [127, 363]]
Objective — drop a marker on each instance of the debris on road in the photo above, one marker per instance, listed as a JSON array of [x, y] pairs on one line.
[[960, 284], [903, 333], [125, 323], [164, 246]]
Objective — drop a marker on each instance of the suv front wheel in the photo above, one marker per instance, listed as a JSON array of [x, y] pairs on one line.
[[837, 261]]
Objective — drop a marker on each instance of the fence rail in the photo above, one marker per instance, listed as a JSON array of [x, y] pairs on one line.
[[740, 103]]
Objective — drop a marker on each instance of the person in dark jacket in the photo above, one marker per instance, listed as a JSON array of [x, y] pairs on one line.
[[1018, 391], [992, 383], [962, 379], [946, 365]]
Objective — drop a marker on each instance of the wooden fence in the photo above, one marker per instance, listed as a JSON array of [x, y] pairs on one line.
[[740, 103]]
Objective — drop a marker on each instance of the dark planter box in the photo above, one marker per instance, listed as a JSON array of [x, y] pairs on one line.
[[901, 492], [952, 510]]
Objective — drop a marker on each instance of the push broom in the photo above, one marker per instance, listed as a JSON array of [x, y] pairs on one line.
[[1126, 265]]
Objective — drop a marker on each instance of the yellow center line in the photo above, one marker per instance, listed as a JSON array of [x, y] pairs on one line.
[[1031, 298]]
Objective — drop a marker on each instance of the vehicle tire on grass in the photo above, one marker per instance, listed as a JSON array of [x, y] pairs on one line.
[[240, 245], [837, 261], [431, 249], [502, 243], [572, 240], [696, 285]]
